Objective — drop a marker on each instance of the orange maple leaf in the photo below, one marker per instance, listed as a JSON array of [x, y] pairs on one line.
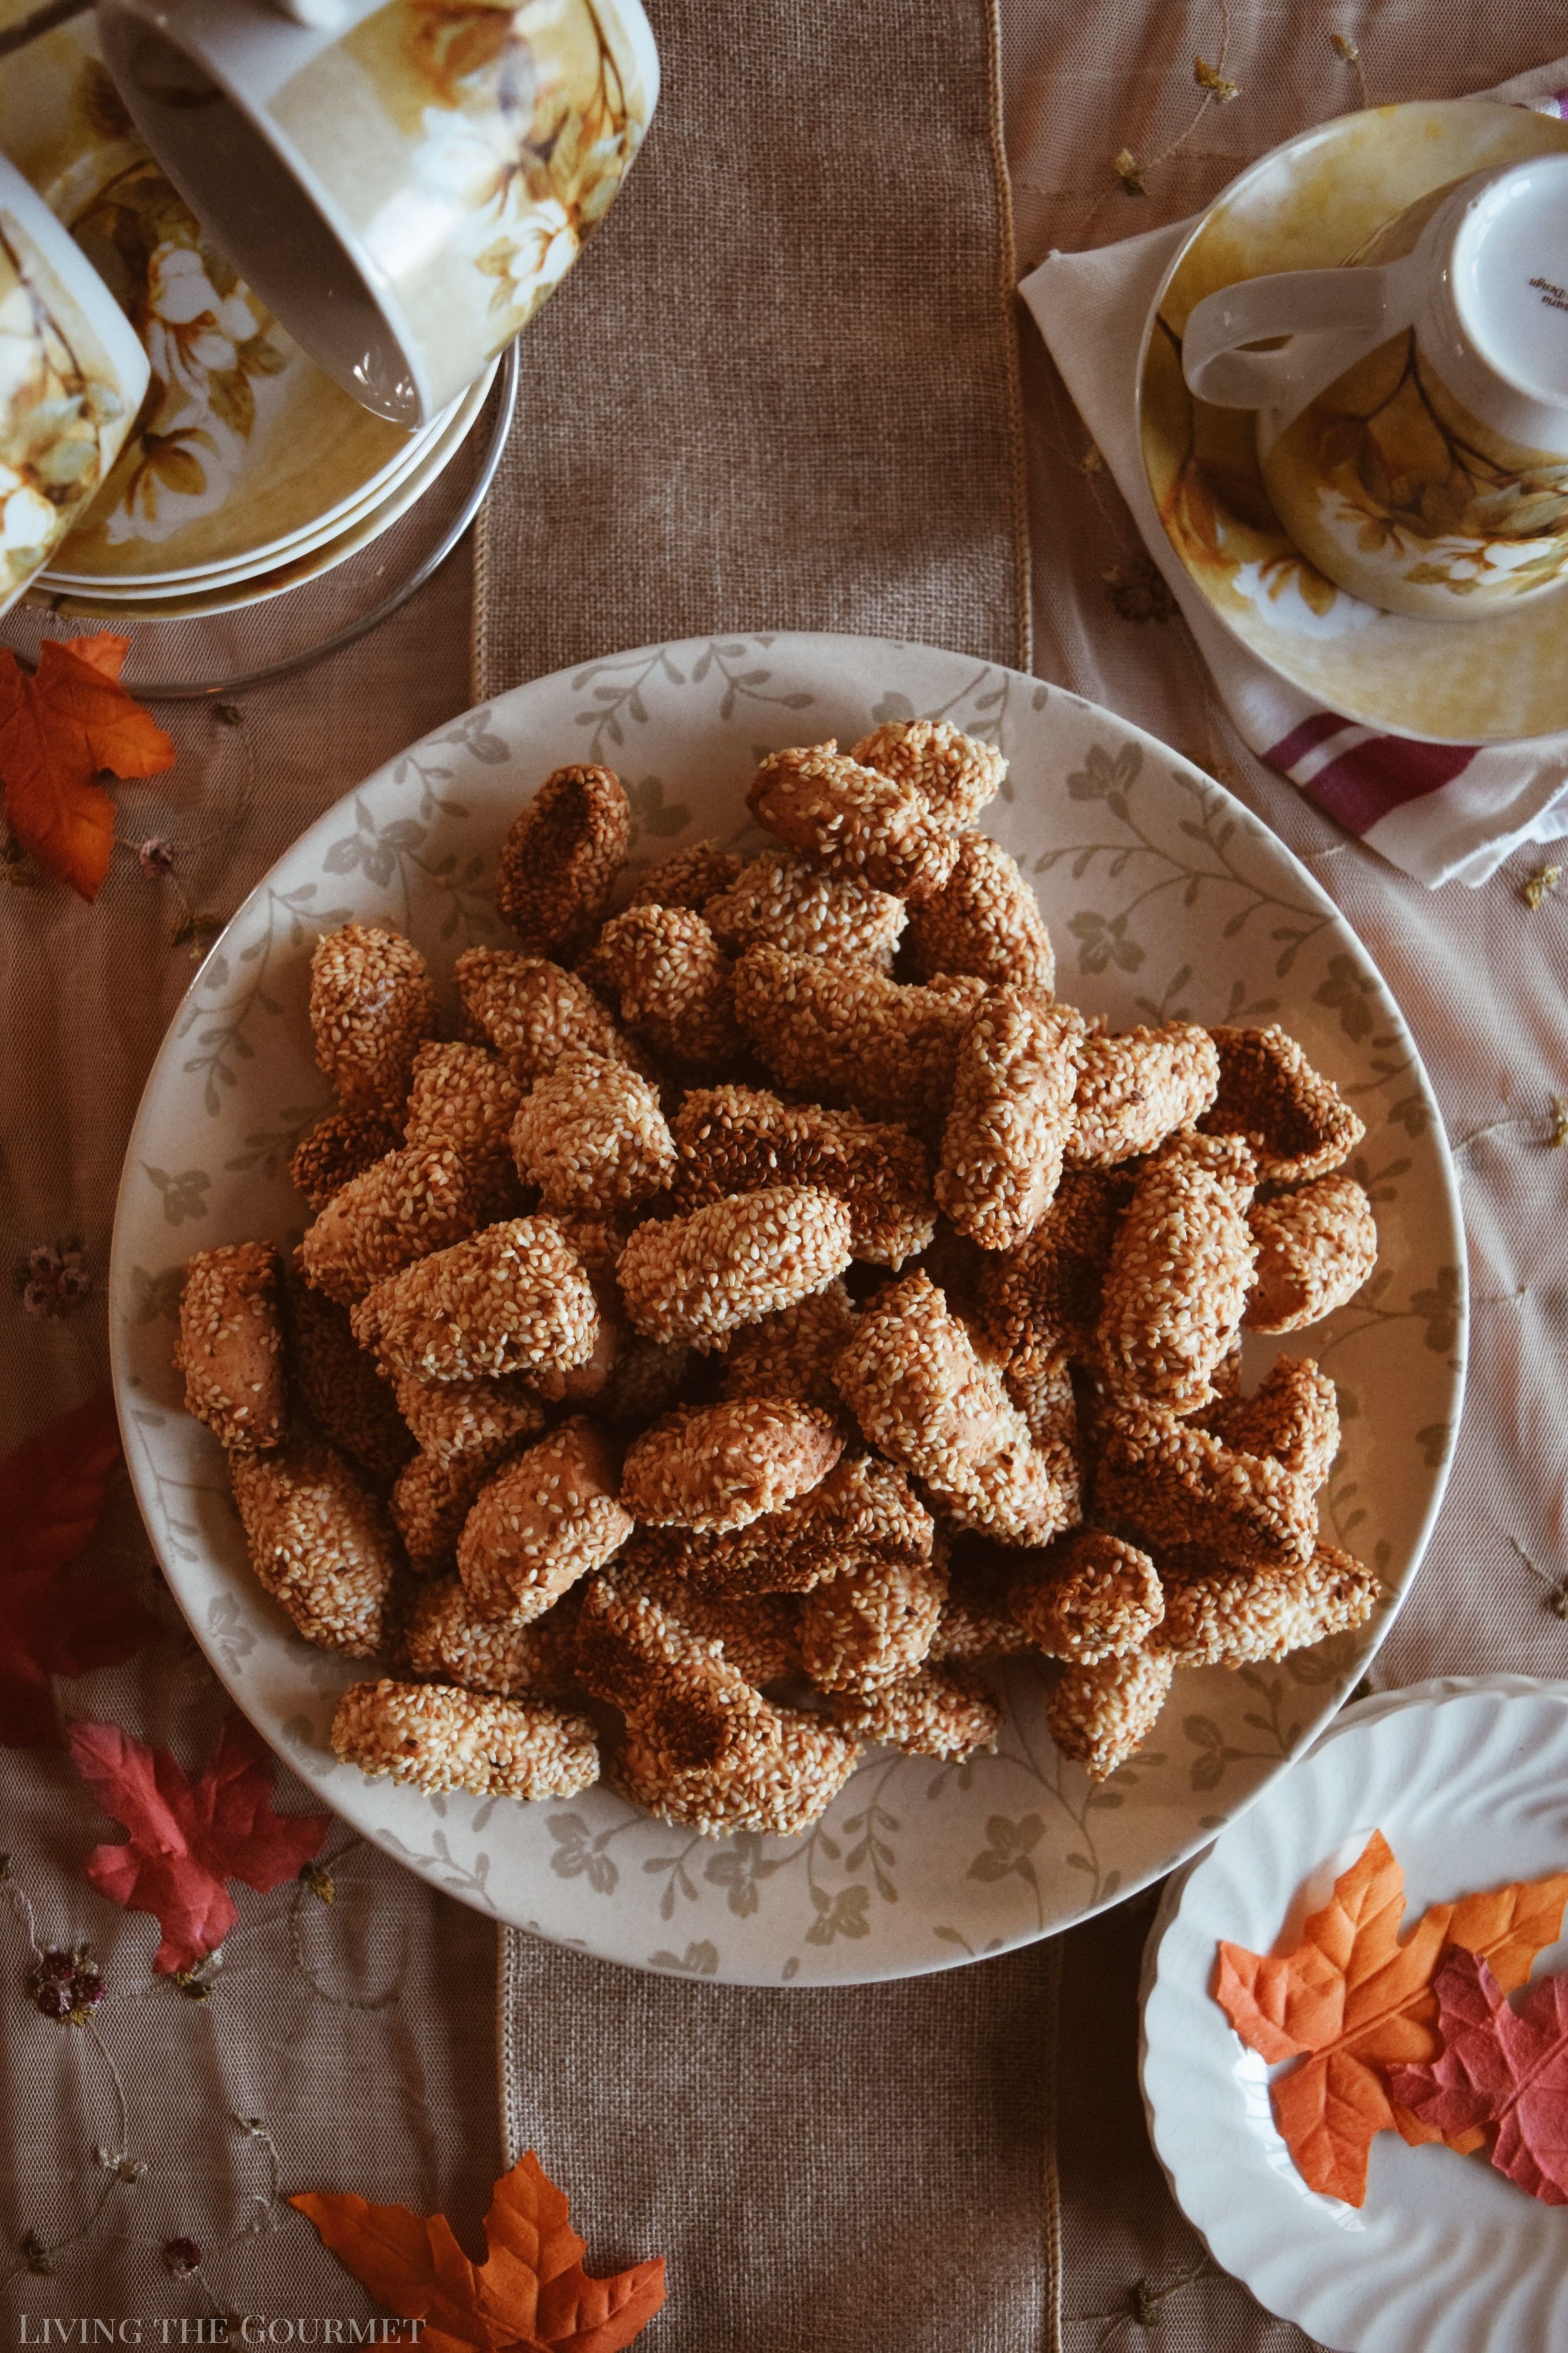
[[1355, 2001], [531, 2295], [59, 730]]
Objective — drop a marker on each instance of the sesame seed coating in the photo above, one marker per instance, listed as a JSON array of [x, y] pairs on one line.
[[1101, 1715], [511, 1658], [689, 1706], [1315, 1250], [1049, 1287], [373, 1005], [343, 1144], [875, 1619], [546, 1518], [864, 1509], [1226, 1620], [1037, 1376], [778, 1788], [783, 901], [854, 819], [790, 1354], [1090, 1599], [413, 1202], [759, 1633], [430, 1503], [1010, 1117], [230, 1347], [742, 1139], [955, 775], [481, 1419], [933, 1711], [923, 1396], [985, 920], [442, 1738], [1136, 1089], [465, 1097], [591, 1136], [717, 1467], [533, 1012], [645, 1381], [974, 1625], [319, 1544], [1293, 1415], [512, 1299], [841, 1030], [1297, 1122], [688, 877], [1180, 1271], [1170, 1483], [696, 1278], [337, 1384], [673, 983], [560, 860]]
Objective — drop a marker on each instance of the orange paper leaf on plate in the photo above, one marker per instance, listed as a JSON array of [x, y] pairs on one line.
[[531, 2295], [1353, 1999], [59, 730]]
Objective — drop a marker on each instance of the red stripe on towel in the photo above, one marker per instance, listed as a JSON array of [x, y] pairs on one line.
[[1365, 782], [1313, 730]]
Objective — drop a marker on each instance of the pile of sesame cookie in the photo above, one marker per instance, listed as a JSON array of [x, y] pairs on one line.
[[760, 1306]]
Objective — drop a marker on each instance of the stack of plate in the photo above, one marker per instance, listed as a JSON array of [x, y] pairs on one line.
[[249, 470]]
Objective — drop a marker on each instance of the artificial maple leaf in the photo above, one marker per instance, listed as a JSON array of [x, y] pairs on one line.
[[52, 1494], [1355, 2001], [187, 1839], [1499, 2066], [531, 2295], [59, 729]]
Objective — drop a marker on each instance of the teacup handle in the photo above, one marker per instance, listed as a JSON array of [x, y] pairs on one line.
[[1320, 321]]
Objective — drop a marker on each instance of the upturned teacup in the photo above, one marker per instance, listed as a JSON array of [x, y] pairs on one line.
[[72, 377], [403, 184], [1413, 406]]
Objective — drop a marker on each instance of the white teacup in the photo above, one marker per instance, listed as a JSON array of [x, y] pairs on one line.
[[1413, 406], [402, 183], [72, 377]]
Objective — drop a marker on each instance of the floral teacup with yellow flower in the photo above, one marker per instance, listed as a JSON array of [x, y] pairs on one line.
[[72, 377], [1413, 406], [404, 187]]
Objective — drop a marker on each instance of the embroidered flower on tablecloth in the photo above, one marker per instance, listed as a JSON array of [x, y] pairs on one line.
[[67, 1986], [156, 857], [52, 1279], [182, 2257]]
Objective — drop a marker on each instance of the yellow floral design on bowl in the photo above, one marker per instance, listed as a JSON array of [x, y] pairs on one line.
[[1494, 672], [57, 409], [516, 125]]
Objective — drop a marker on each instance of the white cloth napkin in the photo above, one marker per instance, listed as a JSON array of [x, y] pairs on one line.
[[1443, 812]]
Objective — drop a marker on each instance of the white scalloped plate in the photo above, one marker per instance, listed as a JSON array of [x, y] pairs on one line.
[[1468, 1779], [1165, 897]]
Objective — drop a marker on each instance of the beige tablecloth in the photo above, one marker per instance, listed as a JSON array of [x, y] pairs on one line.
[[359, 2036]]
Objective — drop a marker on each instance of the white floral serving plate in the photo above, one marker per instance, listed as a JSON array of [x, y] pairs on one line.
[[1165, 897], [1469, 1781]]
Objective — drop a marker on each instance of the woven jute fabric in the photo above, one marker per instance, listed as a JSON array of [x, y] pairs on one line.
[[779, 390]]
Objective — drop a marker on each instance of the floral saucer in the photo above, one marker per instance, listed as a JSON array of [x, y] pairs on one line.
[[1314, 204], [242, 448]]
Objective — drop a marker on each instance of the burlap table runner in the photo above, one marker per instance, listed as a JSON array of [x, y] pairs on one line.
[[780, 393]]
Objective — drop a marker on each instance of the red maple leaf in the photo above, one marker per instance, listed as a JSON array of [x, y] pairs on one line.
[[1499, 2067], [187, 1839], [531, 2295], [52, 1494], [59, 730]]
